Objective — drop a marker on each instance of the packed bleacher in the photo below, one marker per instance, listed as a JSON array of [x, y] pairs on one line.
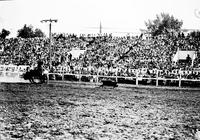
[[104, 54]]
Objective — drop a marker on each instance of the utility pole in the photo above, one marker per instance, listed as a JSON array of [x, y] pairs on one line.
[[50, 21]]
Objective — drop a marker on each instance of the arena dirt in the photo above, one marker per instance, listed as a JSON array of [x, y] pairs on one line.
[[77, 112]]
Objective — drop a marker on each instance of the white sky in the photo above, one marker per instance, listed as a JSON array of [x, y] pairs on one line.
[[80, 16]]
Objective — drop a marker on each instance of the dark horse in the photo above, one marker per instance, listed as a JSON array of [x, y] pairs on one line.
[[37, 73], [32, 75]]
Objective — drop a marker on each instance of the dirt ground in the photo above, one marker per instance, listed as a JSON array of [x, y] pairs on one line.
[[67, 112]]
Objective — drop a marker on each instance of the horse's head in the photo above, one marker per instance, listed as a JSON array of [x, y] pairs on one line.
[[26, 76]]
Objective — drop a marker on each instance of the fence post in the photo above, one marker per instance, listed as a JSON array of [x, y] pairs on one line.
[[179, 80], [48, 78], [62, 74], [79, 75], [97, 78], [136, 77], [156, 77], [116, 77]]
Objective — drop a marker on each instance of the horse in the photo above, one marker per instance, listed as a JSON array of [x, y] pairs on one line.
[[32, 75]]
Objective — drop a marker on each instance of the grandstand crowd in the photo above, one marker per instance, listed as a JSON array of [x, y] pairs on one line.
[[104, 54]]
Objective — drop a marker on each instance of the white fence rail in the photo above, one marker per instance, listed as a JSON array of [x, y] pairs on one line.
[[137, 79]]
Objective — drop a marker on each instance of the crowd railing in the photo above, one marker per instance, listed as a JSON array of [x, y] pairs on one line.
[[138, 78]]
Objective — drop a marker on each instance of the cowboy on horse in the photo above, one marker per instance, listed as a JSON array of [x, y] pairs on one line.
[[36, 73], [39, 68]]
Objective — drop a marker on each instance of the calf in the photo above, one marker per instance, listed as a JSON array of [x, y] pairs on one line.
[[109, 83]]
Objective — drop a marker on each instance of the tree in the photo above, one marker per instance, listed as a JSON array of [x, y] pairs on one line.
[[38, 33], [163, 24], [4, 33], [195, 34], [26, 32], [29, 32]]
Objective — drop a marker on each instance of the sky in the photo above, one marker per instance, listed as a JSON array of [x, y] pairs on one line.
[[84, 16]]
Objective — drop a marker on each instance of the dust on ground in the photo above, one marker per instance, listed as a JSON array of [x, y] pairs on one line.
[[29, 111]]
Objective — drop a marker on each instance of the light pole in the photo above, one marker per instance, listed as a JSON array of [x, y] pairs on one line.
[[50, 22]]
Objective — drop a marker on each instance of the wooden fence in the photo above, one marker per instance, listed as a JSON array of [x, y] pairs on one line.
[[137, 80]]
